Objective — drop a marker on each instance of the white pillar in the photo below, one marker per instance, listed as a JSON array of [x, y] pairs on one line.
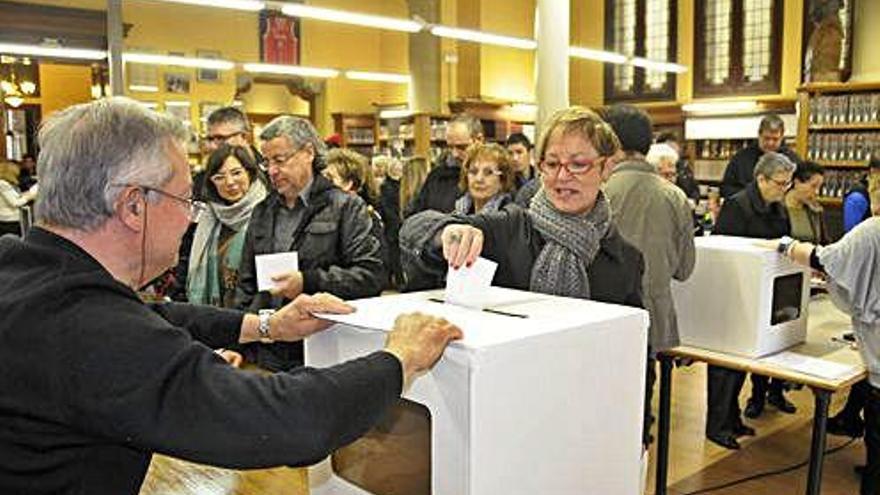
[[114, 47], [552, 19]]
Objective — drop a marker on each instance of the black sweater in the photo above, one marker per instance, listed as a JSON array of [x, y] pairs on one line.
[[94, 381]]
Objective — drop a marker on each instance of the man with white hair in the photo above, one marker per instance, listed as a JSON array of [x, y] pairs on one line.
[[663, 157], [95, 381]]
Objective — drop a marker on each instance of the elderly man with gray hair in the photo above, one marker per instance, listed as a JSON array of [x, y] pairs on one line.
[[756, 211], [95, 381], [329, 229]]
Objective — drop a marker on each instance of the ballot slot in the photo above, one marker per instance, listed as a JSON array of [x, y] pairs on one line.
[[786, 298]]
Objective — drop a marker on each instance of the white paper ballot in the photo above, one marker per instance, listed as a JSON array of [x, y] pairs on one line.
[[810, 365], [270, 265], [468, 286]]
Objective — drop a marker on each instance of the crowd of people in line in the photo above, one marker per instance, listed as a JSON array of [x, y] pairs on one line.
[[600, 209]]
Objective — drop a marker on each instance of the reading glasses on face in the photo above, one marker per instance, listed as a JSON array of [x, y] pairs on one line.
[[574, 167], [194, 208]]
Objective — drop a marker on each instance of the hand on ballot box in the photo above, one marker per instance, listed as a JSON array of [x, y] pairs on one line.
[[462, 244], [295, 320], [418, 340]]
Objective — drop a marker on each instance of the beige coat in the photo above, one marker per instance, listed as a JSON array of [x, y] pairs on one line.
[[654, 216]]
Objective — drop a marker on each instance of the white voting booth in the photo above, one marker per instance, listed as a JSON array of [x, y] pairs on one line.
[[543, 395], [742, 299]]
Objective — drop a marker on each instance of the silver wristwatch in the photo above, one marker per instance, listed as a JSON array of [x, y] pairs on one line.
[[263, 328]]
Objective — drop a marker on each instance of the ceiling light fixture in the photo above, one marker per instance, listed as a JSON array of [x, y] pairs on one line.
[[378, 76], [345, 17], [598, 55], [174, 60], [249, 5], [291, 70], [658, 65], [483, 37], [52, 51]]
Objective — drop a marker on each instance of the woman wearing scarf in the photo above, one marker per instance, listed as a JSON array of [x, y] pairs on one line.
[[487, 180], [233, 189], [565, 244]]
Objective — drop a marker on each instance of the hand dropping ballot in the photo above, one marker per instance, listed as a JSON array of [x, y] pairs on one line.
[[271, 265], [469, 286]]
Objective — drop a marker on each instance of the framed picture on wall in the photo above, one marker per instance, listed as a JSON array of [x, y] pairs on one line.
[[279, 38], [208, 75], [177, 82]]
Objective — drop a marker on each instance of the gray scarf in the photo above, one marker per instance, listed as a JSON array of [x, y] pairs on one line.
[[465, 204], [201, 280], [572, 244]]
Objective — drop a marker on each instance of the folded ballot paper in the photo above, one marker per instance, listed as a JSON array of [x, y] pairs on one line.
[[271, 265]]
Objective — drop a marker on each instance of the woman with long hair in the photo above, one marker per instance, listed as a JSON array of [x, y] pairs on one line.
[[233, 188]]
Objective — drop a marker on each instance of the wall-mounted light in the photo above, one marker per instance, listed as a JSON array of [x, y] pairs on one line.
[[720, 107], [291, 70], [346, 17], [143, 88]]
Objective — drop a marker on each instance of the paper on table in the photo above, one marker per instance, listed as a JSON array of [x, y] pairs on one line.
[[810, 365], [468, 286], [270, 265]]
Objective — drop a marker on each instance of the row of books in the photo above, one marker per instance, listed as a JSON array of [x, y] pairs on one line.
[[838, 182], [842, 147], [856, 108], [720, 148]]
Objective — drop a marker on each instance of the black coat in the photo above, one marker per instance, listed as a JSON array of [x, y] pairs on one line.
[[747, 215], [740, 171], [338, 252], [389, 209], [94, 381], [440, 189], [510, 239]]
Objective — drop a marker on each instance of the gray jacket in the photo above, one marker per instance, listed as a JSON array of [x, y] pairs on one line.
[[654, 216], [851, 264]]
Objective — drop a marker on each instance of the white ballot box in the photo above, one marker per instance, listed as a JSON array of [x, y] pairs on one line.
[[543, 395], [742, 299]]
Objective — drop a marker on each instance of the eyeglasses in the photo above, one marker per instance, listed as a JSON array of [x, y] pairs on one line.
[[222, 138], [280, 160], [485, 172], [233, 175], [194, 208], [573, 167], [781, 183]]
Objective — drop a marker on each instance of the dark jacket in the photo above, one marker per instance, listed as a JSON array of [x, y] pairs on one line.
[[510, 239], [685, 180], [389, 209], [740, 171], [747, 215], [440, 189], [94, 381], [337, 251]]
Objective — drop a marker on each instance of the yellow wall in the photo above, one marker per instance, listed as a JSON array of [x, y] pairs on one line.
[[586, 76], [507, 73], [62, 86]]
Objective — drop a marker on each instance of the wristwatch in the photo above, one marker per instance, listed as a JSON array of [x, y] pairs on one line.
[[784, 244], [263, 328]]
